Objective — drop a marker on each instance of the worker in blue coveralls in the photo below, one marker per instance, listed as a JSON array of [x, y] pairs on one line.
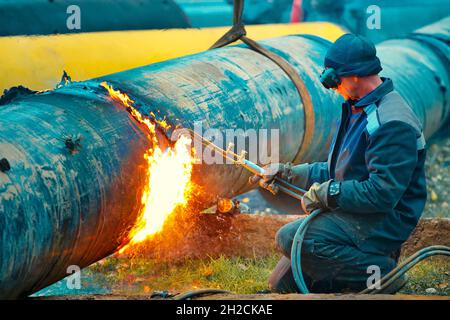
[[372, 187]]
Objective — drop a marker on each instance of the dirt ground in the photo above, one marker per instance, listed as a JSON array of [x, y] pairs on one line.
[[272, 296], [437, 168]]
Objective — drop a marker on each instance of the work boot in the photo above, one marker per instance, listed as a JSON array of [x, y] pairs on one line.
[[395, 286], [282, 280]]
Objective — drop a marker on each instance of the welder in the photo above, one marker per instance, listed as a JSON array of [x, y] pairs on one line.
[[372, 188]]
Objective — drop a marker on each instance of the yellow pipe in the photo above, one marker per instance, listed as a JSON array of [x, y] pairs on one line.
[[37, 62]]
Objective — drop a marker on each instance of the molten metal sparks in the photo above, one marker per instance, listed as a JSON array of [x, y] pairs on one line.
[[168, 176]]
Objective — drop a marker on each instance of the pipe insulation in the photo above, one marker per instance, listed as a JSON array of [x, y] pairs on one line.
[[72, 201]]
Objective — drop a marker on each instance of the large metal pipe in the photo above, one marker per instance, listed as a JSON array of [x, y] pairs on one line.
[[64, 204], [95, 54]]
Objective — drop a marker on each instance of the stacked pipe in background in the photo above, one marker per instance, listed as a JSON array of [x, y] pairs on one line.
[[87, 55]]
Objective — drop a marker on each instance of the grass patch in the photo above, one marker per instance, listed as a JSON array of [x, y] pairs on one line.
[[139, 275], [432, 274], [238, 275]]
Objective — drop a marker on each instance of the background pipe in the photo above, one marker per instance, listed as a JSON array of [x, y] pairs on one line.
[[420, 67], [44, 17], [397, 18], [38, 62], [207, 13], [34, 17], [62, 205]]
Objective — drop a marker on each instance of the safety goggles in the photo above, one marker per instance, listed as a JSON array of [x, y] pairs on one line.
[[330, 79]]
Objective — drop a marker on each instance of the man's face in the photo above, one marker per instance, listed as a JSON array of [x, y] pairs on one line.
[[348, 87]]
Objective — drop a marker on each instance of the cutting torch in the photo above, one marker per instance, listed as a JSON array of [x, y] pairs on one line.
[[274, 186]]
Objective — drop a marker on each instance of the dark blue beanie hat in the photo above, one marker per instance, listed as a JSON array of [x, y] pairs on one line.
[[353, 55]]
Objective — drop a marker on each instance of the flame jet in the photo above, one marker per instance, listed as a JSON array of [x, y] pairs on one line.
[[72, 165]]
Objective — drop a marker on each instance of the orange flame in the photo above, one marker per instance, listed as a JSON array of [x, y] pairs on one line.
[[168, 176]]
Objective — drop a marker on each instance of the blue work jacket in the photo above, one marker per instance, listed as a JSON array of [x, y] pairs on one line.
[[378, 155]]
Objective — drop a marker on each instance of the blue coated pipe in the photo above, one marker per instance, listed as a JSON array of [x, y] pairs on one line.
[[66, 199], [207, 13], [211, 13], [42, 17], [377, 20]]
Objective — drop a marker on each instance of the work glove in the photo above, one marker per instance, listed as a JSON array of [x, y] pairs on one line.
[[281, 170], [316, 197], [266, 180]]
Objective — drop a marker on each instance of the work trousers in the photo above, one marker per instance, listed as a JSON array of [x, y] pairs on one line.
[[330, 260]]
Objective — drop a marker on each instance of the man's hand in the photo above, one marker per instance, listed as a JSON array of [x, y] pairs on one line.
[[270, 172], [316, 197], [297, 175], [282, 170]]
